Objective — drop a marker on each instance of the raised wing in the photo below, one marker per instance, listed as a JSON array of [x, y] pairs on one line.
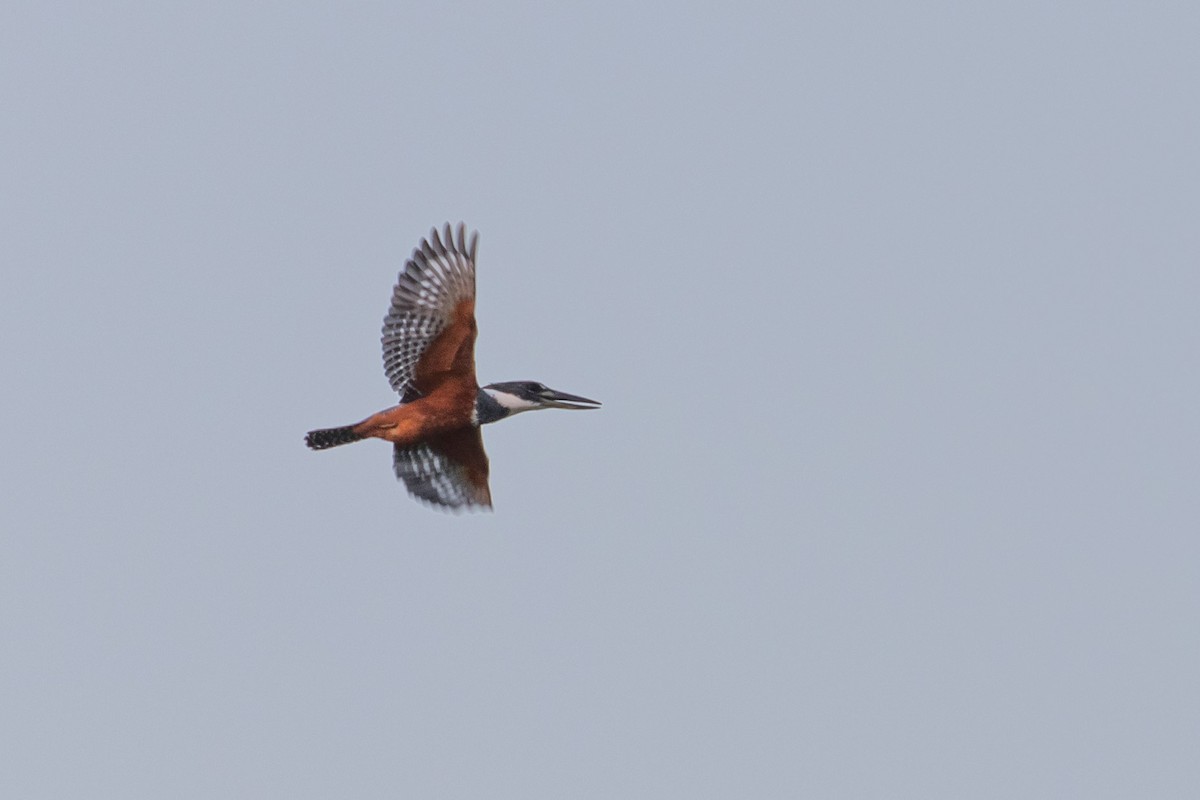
[[449, 471], [429, 330]]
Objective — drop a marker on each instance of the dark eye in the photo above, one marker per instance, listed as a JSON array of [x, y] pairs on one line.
[[537, 387]]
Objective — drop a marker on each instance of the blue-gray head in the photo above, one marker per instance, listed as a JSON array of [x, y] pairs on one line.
[[499, 400]]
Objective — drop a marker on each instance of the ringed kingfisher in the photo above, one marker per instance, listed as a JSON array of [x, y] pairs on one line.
[[429, 359]]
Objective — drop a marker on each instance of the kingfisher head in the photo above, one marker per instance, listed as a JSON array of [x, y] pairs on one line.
[[499, 400]]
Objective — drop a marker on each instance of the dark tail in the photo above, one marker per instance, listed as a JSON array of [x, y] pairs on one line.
[[331, 437]]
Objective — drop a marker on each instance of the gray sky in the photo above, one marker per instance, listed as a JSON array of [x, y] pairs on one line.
[[892, 308]]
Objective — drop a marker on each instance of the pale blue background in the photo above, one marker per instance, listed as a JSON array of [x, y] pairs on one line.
[[892, 307]]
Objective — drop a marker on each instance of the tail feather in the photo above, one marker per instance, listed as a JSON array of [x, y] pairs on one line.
[[331, 437]]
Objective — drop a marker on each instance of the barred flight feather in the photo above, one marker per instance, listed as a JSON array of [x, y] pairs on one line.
[[439, 276]]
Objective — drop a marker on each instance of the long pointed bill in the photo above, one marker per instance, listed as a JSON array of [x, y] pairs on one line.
[[554, 399]]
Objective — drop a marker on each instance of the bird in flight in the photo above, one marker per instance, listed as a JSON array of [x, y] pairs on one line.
[[429, 358]]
